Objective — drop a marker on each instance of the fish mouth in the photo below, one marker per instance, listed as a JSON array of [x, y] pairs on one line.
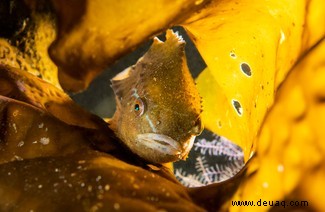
[[166, 145]]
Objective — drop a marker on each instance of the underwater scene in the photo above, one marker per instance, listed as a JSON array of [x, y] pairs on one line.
[[196, 105]]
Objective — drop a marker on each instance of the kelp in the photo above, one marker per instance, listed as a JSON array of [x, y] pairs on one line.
[[247, 59], [93, 34], [25, 37], [290, 148]]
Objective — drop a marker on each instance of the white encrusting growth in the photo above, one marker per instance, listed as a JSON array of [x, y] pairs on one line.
[[44, 141], [20, 144], [14, 126]]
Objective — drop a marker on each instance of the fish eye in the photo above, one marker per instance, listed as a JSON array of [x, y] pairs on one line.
[[139, 107]]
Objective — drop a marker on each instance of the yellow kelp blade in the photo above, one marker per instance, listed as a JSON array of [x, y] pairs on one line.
[[27, 49], [28, 132], [249, 46], [93, 34], [291, 148], [88, 181], [25, 87]]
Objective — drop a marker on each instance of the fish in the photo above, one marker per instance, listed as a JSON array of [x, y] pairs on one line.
[[158, 107]]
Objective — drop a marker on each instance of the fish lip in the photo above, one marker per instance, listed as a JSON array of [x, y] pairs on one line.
[[165, 144], [187, 146], [160, 142]]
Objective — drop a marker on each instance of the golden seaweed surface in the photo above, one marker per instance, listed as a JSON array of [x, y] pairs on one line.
[[27, 49], [245, 72], [107, 29], [263, 88], [291, 146]]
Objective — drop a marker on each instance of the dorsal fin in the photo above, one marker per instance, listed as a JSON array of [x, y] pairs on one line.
[[172, 48]]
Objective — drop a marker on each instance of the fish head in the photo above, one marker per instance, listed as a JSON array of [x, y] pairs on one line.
[[158, 105]]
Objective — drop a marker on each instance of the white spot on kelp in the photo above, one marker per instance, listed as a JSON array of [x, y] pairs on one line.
[[17, 157], [265, 185], [20, 144], [15, 113], [98, 178], [107, 187], [15, 127], [116, 206], [44, 141], [41, 125]]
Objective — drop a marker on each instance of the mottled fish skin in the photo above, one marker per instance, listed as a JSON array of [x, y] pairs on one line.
[[158, 105]]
